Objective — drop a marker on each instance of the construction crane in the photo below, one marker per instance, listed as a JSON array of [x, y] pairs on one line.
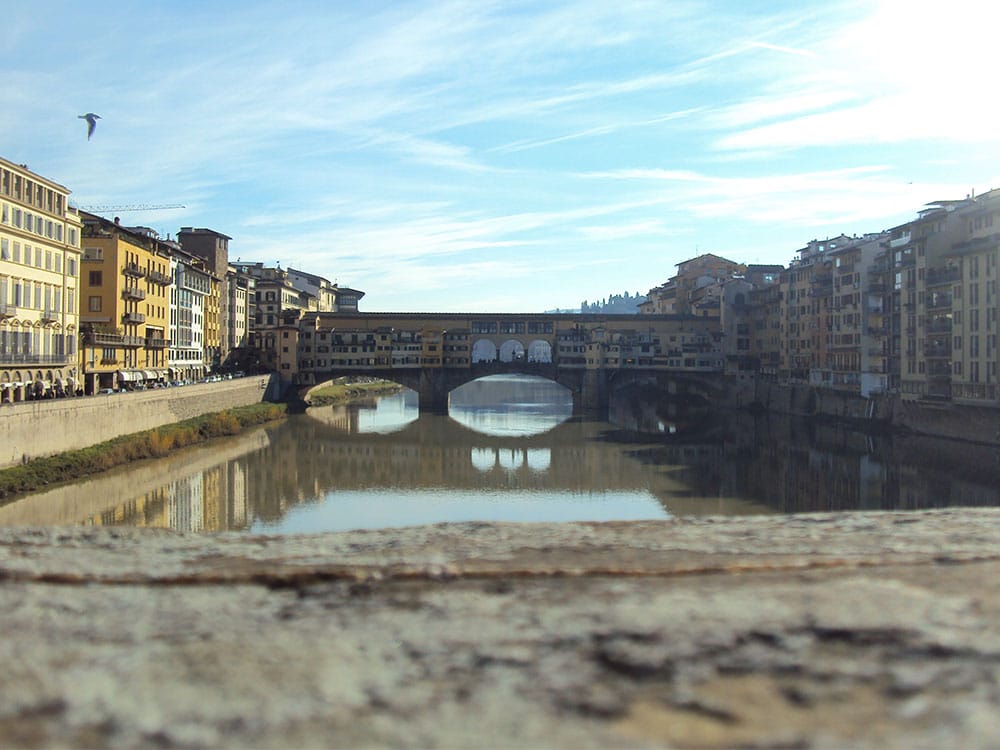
[[133, 207]]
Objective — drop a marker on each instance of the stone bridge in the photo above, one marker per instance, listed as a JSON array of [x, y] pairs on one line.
[[434, 353]]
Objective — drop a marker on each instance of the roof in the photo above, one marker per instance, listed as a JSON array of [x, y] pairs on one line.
[[708, 255]]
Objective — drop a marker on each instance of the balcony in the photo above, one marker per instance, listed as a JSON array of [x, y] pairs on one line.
[[937, 349], [133, 341], [102, 338], [938, 276], [7, 311], [133, 318], [133, 270], [158, 278], [939, 326], [899, 241], [133, 293], [49, 316], [23, 358], [157, 343]]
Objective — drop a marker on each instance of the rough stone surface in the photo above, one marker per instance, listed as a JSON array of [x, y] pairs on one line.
[[873, 630]]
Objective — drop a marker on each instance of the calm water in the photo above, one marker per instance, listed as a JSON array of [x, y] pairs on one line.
[[511, 450]]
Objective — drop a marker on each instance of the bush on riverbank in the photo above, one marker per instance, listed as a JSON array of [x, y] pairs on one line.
[[345, 390], [154, 443]]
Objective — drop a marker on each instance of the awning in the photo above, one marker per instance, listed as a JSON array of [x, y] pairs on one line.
[[149, 374], [127, 375]]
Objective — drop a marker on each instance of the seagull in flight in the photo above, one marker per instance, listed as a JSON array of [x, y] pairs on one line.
[[91, 119]]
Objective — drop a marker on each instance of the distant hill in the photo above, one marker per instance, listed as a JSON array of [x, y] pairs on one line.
[[615, 304]]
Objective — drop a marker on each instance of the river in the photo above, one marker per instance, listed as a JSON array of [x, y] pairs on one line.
[[511, 449]]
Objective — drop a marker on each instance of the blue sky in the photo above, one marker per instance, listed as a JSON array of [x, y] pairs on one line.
[[506, 156]]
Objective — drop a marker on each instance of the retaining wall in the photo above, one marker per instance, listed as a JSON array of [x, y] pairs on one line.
[[34, 429], [976, 423]]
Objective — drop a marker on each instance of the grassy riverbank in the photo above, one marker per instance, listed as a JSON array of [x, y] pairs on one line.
[[156, 443], [344, 391]]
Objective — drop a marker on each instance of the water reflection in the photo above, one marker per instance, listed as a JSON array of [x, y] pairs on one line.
[[383, 464], [510, 405], [389, 413]]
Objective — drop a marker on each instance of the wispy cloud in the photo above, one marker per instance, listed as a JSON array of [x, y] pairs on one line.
[[601, 130], [484, 148]]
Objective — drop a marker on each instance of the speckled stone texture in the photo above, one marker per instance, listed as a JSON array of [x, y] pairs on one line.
[[876, 630]]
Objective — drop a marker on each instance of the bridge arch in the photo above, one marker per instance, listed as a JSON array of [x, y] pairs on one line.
[[484, 350], [511, 350], [540, 350]]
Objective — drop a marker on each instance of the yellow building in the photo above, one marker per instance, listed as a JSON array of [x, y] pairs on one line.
[[214, 333], [124, 306], [39, 276]]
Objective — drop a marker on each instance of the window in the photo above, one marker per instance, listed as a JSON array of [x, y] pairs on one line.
[[94, 304], [96, 278]]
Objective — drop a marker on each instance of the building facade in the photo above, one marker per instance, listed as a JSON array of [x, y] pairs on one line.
[[39, 286], [191, 292], [125, 306], [213, 249]]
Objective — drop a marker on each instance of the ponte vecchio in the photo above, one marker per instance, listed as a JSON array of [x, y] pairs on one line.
[[434, 353]]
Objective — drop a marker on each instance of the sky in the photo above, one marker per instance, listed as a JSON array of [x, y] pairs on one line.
[[481, 156]]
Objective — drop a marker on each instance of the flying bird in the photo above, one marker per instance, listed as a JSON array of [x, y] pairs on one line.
[[91, 119]]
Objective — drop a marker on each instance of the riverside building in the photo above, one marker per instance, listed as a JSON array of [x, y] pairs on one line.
[[125, 306], [39, 284]]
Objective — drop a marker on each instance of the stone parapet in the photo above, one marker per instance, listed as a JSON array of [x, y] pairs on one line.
[[861, 630]]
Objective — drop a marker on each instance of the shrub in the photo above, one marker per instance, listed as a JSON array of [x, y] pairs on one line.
[[154, 443]]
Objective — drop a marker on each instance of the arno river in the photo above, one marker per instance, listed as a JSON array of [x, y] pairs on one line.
[[511, 450]]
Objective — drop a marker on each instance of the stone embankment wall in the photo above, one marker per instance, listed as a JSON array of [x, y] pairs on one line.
[[979, 423], [34, 429]]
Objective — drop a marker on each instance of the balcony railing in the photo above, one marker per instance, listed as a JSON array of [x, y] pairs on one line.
[[939, 302], [136, 341], [158, 278], [133, 318], [157, 343], [35, 359], [133, 269], [937, 276], [937, 349], [133, 293], [49, 316], [7, 311], [101, 338]]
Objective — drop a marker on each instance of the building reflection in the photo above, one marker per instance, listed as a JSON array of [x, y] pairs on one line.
[[732, 464]]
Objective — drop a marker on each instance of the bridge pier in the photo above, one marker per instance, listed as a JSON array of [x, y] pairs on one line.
[[433, 389], [594, 393]]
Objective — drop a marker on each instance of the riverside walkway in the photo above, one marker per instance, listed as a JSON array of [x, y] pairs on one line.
[[856, 630]]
